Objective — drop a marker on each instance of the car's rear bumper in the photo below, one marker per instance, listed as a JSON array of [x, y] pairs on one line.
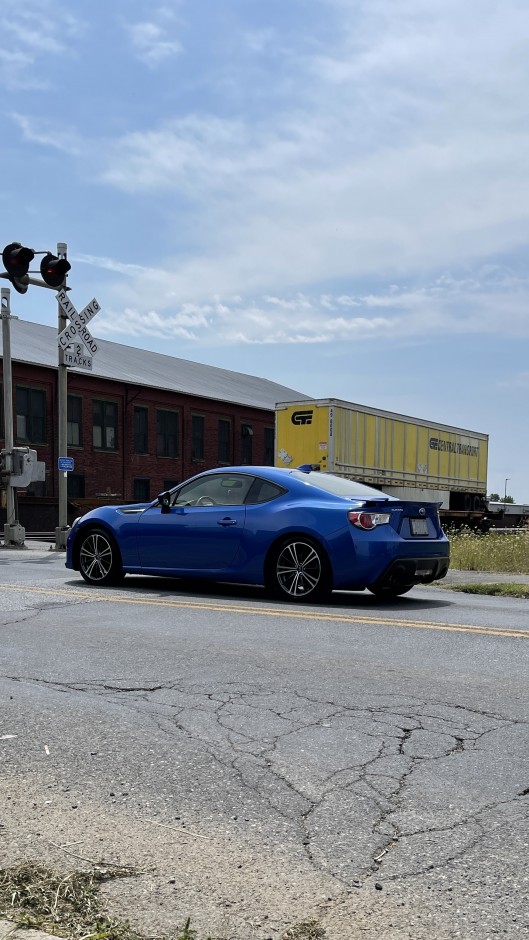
[[404, 571]]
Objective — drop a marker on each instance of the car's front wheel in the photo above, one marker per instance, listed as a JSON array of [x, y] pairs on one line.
[[100, 558], [298, 570]]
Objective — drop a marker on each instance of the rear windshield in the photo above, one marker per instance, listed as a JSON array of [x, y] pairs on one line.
[[339, 486]]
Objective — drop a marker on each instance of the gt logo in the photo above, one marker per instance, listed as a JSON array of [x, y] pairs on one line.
[[302, 417]]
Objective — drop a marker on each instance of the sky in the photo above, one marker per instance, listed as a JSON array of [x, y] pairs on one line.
[[331, 194]]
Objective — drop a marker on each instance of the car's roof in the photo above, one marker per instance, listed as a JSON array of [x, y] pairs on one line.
[[254, 470], [296, 477]]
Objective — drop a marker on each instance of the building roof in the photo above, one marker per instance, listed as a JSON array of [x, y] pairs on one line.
[[37, 344]]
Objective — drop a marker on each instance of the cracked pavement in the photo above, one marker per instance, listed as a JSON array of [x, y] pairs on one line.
[[261, 771]]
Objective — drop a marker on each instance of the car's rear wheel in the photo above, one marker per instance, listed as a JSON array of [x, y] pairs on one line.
[[298, 570], [389, 592], [100, 558]]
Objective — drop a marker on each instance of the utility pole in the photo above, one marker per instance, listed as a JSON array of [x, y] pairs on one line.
[[14, 533], [54, 269], [61, 532]]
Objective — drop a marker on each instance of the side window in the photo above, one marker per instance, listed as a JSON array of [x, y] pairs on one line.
[[216, 490], [262, 491], [192, 494]]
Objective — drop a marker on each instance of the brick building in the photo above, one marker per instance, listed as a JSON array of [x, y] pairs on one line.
[[137, 424]]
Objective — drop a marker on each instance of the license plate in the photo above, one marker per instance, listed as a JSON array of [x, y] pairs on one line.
[[419, 526]]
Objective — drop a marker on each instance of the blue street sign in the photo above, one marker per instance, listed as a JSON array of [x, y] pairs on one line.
[[65, 463]]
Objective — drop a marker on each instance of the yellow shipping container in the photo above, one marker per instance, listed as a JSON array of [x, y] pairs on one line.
[[399, 454]]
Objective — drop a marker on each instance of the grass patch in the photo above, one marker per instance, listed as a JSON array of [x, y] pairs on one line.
[[495, 590], [66, 904], [507, 552], [307, 930]]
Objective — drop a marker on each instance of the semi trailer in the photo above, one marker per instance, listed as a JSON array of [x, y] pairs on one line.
[[403, 456]]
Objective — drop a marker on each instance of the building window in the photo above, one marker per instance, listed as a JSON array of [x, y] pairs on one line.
[[75, 421], [105, 425], [269, 443], [169, 484], [36, 488], [141, 430], [167, 434], [197, 437], [246, 444], [31, 415], [75, 485], [224, 453], [141, 490]]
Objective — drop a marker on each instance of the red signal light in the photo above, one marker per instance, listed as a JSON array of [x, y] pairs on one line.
[[17, 259], [54, 270]]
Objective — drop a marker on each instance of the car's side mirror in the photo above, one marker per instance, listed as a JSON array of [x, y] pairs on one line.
[[165, 501]]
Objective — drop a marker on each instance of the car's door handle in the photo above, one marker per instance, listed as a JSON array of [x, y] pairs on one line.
[[227, 521]]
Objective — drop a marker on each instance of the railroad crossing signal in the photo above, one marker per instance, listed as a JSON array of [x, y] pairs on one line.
[[17, 260], [54, 270], [76, 335]]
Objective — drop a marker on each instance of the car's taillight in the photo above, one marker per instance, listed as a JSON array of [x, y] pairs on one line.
[[368, 520]]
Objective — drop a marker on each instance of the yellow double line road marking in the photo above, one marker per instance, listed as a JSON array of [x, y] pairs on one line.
[[297, 613]]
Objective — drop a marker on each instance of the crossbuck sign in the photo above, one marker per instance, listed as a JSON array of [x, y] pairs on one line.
[[76, 341]]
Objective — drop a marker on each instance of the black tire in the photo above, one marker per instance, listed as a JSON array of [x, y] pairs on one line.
[[100, 558], [389, 593], [299, 570]]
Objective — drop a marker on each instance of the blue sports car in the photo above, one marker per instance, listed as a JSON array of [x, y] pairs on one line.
[[299, 532]]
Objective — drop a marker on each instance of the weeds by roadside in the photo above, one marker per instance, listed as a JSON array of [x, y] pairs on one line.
[[307, 930], [493, 590], [493, 552], [66, 904]]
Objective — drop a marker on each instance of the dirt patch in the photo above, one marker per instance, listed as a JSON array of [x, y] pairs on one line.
[[230, 888]]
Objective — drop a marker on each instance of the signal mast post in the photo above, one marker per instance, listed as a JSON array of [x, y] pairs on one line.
[[54, 269], [61, 532], [14, 533]]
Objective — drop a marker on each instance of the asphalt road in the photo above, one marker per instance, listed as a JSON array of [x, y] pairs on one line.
[[258, 764]]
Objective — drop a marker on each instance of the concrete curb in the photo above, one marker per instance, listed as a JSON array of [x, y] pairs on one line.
[[10, 931]]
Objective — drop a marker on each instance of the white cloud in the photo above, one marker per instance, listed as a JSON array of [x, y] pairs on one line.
[[259, 40], [404, 149], [39, 131], [444, 307], [401, 150], [150, 43], [38, 30], [119, 267], [154, 41]]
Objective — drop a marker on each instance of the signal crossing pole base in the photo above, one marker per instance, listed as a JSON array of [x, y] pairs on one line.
[[14, 535], [61, 536]]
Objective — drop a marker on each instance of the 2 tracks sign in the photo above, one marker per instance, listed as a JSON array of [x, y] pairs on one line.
[[76, 341]]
